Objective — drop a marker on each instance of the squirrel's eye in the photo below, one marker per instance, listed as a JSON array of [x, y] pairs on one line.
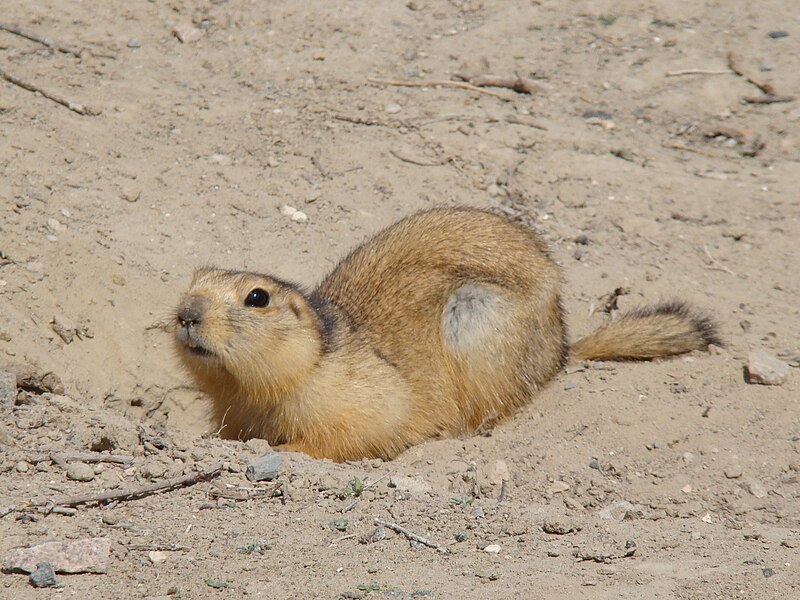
[[257, 298]]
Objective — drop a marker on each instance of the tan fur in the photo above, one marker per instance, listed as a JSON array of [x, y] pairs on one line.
[[445, 321]]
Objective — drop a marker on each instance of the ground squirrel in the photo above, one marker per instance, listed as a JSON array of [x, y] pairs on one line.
[[444, 321]]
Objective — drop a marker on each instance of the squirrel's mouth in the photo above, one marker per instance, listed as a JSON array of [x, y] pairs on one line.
[[188, 340], [198, 350]]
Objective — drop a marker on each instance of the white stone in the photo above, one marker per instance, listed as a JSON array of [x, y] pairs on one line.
[[764, 368]]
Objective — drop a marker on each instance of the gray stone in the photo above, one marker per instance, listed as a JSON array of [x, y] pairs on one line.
[[733, 470], [755, 487], [264, 468], [79, 471], [43, 576], [765, 369]]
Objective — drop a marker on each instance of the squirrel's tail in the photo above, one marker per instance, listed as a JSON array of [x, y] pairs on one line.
[[649, 332]]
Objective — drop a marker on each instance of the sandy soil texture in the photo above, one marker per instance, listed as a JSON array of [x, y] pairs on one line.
[[646, 162]]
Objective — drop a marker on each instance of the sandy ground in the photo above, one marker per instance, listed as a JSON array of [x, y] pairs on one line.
[[679, 186]]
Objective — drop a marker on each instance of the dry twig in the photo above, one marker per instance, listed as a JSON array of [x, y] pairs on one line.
[[517, 120], [61, 458], [409, 534], [76, 51], [35, 37], [443, 83], [521, 85], [771, 95], [416, 161], [73, 106], [767, 99], [683, 72], [132, 493], [715, 264], [677, 146]]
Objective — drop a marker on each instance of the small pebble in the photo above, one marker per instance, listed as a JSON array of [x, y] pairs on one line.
[[21, 467], [733, 470], [393, 109], [378, 534], [765, 369], [300, 217], [597, 114], [554, 527], [557, 487], [257, 445], [492, 549], [775, 35], [617, 511], [187, 33], [265, 468], [79, 471], [43, 576], [153, 468], [756, 488], [110, 518], [55, 225], [134, 43]]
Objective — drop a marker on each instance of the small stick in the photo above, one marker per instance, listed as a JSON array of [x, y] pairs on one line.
[[764, 87], [715, 263], [60, 458], [360, 120], [409, 535], [414, 161], [94, 457], [697, 72], [73, 106], [521, 85], [132, 493], [64, 510], [35, 37], [770, 96], [443, 83], [768, 99], [695, 150], [515, 120], [157, 547], [349, 536]]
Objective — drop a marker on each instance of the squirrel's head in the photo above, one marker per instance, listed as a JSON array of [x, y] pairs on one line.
[[259, 329]]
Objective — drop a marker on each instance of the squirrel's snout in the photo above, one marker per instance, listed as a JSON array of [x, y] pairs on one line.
[[189, 315], [192, 311]]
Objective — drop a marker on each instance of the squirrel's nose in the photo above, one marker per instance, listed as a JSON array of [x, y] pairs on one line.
[[191, 313]]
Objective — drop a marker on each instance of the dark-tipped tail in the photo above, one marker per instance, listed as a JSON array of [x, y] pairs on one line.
[[649, 332]]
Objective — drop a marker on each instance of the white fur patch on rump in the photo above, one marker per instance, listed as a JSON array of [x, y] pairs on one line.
[[469, 315]]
